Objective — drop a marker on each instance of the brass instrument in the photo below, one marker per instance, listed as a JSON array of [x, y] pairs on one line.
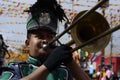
[[89, 27], [89, 30]]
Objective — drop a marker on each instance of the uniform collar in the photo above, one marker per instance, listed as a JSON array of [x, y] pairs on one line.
[[34, 61]]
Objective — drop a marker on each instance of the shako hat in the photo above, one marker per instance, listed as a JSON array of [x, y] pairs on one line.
[[44, 14]]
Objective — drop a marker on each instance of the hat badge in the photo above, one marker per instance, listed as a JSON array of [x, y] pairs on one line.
[[44, 18]]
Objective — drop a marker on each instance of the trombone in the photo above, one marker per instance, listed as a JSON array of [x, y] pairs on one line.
[[94, 24]]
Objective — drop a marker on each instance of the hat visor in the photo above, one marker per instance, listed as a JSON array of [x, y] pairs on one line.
[[43, 28]]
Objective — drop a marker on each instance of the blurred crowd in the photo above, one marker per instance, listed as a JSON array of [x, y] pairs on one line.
[[104, 73]]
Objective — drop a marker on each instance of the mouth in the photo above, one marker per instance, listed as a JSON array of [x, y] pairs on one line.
[[44, 49]]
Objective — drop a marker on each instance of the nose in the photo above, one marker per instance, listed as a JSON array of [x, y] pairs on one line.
[[45, 41]]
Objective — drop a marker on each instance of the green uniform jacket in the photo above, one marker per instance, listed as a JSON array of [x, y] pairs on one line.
[[15, 71]]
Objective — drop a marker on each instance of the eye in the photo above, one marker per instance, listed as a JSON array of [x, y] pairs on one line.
[[49, 36], [40, 36]]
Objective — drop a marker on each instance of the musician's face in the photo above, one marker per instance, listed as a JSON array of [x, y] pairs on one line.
[[35, 44]]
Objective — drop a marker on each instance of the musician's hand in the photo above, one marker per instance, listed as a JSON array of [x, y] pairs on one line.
[[60, 54]]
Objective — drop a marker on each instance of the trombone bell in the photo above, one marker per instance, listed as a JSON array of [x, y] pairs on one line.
[[89, 27]]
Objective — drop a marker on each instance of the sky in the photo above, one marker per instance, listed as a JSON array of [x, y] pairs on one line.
[[13, 23]]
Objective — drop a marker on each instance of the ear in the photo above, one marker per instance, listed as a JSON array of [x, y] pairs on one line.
[[27, 43]]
